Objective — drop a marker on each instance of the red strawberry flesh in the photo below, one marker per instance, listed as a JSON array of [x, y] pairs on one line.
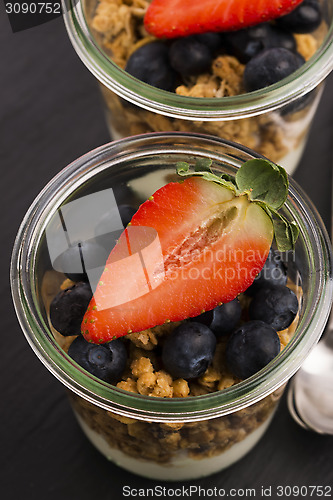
[[190, 247], [177, 18]]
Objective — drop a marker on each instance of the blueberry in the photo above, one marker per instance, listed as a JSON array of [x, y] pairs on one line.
[[189, 57], [275, 305], [108, 238], [68, 307], [242, 45], [105, 361], [251, 347], [281, 38], [222, 319], [247, 43], [80, 257], [214, 41], [304, 19], [189, 350], [205, 318], [274, 272], [270, 66], [150, 64]]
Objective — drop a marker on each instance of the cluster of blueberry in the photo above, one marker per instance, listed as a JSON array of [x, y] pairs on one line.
[[268, 51], [189, 349], [250, 346], [106, 361]]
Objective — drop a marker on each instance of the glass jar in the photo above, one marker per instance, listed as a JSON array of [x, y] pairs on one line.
[[163, 438], [274, 121]]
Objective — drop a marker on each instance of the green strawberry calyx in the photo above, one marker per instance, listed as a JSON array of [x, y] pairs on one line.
[[263, 182]]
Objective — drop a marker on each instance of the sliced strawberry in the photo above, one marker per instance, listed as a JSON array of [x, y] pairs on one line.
[[177, 18], [191, 246]]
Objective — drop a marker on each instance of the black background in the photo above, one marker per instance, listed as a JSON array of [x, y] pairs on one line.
[[51, 113], [23, 15]]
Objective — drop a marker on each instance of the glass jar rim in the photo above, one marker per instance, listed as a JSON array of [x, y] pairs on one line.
[[23, 272], [302, 81]]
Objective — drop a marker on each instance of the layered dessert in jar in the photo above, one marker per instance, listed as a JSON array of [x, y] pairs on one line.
[[198, 293], [212, 55]]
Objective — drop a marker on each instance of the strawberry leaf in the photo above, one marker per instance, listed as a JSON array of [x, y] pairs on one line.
[[284, 175], [267, 184], [264, 182], [285, 232], [294, 232], [202, 169], [203, 165], [282, 235]]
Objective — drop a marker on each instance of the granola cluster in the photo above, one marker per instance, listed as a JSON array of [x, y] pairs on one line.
[[164, 442], [120, 27]]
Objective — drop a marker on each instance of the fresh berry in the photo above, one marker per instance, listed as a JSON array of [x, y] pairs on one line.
[[189, 350], [274, 272], [81, 257], [270, 66], [282, 38], [304, 19], [200, 258], [150, 64], [251, 347], [105, 361], [247, 43], [177, 18], [68, 307], [190, 246], [214, 41], [188, 56], [222, 319], [275, 305]]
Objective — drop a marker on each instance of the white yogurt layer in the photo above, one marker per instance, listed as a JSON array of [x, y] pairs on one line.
[[181, 468], [291, 160]]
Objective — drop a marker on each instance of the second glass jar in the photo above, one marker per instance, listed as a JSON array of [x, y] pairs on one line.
[[274, 121]]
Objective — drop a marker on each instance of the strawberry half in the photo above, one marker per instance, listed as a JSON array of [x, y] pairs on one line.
[[177, 18], [191, 246]]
